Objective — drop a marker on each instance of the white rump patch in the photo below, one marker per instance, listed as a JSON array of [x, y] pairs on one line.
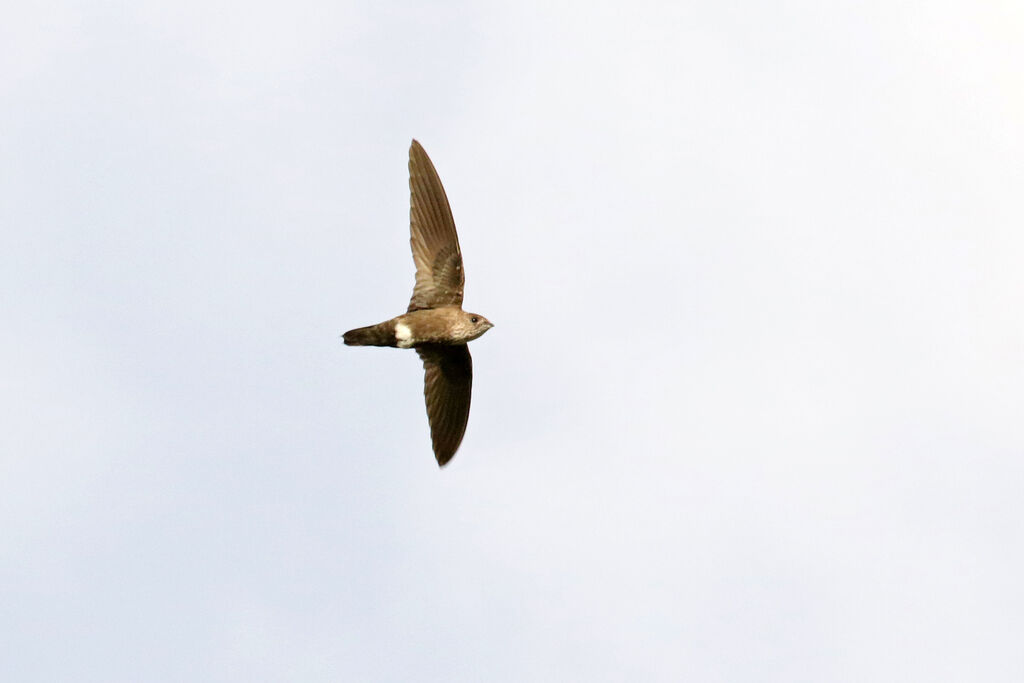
[[403, 335]]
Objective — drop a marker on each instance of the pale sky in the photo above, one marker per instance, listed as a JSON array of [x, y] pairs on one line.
[[751, 410]]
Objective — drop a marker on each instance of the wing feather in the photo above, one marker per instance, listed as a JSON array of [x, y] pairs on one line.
[[447, 388], [435, 244]]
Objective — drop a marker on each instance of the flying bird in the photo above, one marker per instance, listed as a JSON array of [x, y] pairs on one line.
[[434, 324]]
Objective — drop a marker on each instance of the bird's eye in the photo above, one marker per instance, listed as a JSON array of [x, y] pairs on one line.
[[474, 320]]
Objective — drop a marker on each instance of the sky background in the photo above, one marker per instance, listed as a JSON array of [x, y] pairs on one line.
[[751, 411]]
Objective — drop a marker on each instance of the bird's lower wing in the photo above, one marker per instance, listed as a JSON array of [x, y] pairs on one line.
[[448, 385]]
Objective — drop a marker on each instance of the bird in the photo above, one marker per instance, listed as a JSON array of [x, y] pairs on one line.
[[434, 324]]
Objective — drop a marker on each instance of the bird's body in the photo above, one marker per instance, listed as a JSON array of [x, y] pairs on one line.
[[435, 324], [442, 325]]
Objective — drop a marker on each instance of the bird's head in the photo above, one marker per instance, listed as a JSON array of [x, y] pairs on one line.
[[473, 325]]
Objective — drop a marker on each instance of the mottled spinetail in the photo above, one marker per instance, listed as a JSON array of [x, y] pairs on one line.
[[435, 324]]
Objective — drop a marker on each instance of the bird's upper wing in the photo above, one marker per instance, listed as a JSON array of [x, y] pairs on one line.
[[435, 245], [448, 384]]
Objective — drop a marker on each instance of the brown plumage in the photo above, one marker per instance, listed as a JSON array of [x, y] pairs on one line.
[[381, 334], [434, 324]]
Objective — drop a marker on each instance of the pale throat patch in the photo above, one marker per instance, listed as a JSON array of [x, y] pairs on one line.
[[403, 335]]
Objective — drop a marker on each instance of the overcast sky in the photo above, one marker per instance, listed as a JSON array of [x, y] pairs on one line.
[[751, 411]]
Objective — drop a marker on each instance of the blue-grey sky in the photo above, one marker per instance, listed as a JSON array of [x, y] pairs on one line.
[[751, 410]]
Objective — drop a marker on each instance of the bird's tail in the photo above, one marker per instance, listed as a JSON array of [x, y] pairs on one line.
[[381, 334]]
